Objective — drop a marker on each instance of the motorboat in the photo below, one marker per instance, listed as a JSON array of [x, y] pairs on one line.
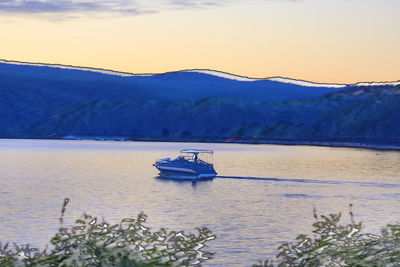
[[192, 164]]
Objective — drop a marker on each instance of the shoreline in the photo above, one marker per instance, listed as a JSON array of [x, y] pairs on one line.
[[359, 145], [382, 147]]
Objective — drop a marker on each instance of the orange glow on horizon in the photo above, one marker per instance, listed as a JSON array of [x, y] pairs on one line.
[[317, 41]]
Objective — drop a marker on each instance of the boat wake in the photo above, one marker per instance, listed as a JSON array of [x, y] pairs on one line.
[[373, 184]]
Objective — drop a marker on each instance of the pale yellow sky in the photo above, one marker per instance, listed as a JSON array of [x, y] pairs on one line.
[[337, 41]]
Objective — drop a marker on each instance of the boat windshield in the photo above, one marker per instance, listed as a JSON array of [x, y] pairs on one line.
[[185, 157]]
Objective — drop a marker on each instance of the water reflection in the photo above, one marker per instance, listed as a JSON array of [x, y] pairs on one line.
[[183, 181]]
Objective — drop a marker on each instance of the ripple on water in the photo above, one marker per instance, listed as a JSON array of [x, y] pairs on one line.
[[250, 213]]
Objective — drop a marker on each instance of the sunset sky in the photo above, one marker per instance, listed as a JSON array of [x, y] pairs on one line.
[[337, 41]]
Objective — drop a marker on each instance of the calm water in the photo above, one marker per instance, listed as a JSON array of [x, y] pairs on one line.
[[265, 194]]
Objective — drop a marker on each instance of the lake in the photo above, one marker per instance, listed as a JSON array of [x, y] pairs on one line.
[[264, 194]]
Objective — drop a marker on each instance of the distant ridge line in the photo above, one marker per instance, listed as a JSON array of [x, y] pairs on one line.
[[221, 74], [63, 66], [276, 79]]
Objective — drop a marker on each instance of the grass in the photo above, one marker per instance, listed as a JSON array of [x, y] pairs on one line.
[[335, 244], [91, 243]]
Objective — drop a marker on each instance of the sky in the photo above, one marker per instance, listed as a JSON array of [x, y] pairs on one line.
[[333, 41]]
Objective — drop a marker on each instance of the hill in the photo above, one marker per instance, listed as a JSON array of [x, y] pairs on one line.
[[44, 101]]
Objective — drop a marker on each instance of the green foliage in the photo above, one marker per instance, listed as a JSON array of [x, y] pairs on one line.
[[129, 243], [334, 244], [90, 243]]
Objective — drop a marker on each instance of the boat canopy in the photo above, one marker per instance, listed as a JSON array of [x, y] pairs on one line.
[[197, 151]]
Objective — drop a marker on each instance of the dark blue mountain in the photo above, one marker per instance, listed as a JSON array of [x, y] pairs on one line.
[[39, 101], [76, 85]]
